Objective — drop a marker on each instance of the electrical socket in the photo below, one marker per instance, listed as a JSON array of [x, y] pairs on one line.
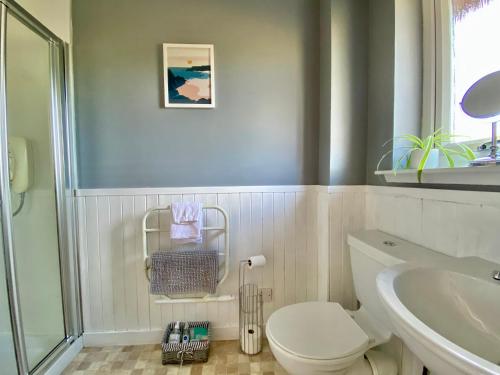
[[267, 294]]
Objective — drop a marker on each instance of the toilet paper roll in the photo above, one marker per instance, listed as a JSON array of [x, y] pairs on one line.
[[256, 261], [251, 339]]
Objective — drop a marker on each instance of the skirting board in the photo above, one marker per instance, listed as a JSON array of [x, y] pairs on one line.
[[66, 358], [114, 338]]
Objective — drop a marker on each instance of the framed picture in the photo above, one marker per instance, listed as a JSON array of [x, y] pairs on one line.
[[189, 75]]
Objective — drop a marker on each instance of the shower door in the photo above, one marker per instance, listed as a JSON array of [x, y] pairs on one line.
[[34, 185], [34, 226], [7, 355]]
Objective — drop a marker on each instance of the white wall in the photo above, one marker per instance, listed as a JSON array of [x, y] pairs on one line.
[[346, 215], [456, 223], [278, 222], [53, 14], [301, 229]]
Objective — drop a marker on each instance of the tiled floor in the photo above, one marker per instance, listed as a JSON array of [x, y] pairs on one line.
[[225, 358]]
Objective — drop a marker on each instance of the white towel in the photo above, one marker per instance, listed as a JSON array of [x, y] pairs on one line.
[[186, 222]]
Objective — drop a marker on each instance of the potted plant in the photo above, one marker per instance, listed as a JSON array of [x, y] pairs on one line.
[[420, 153]]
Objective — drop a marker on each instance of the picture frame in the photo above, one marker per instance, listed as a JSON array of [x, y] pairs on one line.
[[189, 75]]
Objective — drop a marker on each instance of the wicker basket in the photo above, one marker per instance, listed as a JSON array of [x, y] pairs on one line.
[[191, 352]]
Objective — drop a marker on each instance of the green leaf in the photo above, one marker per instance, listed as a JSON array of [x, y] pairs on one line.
[[383, 158], [408, 162], [446, 153], [388, 141], [407, 156], [435, 133], [414, 139], [428, 143], [469, 154]]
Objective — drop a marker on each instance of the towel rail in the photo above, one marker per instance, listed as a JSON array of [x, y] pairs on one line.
[[225, 229]]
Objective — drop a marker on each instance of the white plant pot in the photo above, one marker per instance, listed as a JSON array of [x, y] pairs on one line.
[[432, 160]]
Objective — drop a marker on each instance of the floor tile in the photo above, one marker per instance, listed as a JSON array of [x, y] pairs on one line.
[[225, 358]]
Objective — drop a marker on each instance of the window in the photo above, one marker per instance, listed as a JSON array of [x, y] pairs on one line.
[[460, 46]]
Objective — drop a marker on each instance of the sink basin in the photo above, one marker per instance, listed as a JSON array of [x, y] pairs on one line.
[[450, 320]]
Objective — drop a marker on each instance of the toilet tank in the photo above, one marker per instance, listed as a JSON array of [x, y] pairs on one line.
[[371, 252]]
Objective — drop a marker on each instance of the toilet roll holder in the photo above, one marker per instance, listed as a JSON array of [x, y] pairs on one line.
[[251, 317]]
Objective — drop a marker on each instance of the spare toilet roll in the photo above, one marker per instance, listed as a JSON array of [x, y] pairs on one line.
[[251, 339], [256, 261]]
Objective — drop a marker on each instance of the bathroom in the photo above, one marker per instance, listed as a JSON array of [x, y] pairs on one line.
[[332, 148]]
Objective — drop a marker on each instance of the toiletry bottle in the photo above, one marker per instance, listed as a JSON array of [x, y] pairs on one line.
[[175, 335], [185, 335]]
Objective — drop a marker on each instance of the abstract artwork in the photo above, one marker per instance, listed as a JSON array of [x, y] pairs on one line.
[[189, 75]]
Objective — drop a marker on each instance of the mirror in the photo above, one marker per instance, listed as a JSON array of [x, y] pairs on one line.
[[482, 101]]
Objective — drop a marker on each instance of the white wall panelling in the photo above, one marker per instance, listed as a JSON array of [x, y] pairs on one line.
[[321, 235], [279, 222], [301, 230], [457, 223], [345, 215]]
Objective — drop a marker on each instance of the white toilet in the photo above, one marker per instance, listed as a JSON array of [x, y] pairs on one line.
[[322, 338]]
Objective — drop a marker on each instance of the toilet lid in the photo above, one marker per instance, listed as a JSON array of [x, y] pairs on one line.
[[316, 330]]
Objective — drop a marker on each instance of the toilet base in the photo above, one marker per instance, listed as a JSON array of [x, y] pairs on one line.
[[361, 367], [374, 363]]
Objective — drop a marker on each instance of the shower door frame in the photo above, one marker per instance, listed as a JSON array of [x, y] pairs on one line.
[[65, 177]]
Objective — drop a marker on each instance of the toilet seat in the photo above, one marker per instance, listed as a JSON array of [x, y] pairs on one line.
[[317, 331]]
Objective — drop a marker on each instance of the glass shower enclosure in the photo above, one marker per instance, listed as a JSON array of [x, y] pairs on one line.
[[39, 300]]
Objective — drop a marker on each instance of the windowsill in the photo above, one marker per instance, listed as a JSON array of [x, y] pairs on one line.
[[487, 175]]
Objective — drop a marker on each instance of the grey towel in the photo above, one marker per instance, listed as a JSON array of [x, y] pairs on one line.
[[184, 272]]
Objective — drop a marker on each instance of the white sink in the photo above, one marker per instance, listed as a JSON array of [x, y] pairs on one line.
[[450, 320]]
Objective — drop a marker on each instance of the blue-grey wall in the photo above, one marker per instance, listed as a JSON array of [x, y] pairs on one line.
[[381, 54], [343, 91], [325, 89], [349, 92], [264, 130]]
